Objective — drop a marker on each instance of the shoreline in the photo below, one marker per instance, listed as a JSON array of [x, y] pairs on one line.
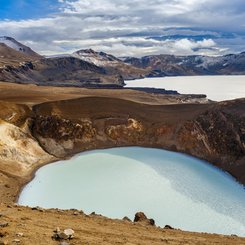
[[86, 151], [32, 174]]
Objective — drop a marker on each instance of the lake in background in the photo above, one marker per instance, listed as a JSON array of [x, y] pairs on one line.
[[171, 188], [216, 88]]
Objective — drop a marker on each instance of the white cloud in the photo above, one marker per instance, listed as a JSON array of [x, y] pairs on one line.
[[126, 27]]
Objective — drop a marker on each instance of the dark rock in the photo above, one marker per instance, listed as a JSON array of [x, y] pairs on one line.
[[127, 219], [168, 227], [141, 217], [3, 234], [152, 221], [5, 224], [38, 209]]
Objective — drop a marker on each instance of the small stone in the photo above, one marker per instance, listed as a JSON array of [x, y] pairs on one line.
[[152, 222], [76, 213], [3, 234], [20, 234], [64, 243], [5, 224], [16, 240], [38, 209], [127, 219], [168, 227]]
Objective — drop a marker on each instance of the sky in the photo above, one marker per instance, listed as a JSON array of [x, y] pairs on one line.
[[126, 27]]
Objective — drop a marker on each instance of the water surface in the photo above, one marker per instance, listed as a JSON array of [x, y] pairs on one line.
[[217, 88], [171, 188]]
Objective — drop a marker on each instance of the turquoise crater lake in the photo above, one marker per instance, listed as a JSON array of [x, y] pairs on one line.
[[170, 187]]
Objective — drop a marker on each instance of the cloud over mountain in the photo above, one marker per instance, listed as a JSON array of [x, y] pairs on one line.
[[136, 27]]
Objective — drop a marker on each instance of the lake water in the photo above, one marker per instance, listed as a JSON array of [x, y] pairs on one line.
[[172, 188], [217, 88]]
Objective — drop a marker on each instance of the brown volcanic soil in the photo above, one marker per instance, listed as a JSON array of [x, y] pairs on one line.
[[37, 227], [31, 94], [99, 122]]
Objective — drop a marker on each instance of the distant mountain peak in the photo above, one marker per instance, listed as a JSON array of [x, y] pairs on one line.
[[97, 58], [88, 51], [12, 43]]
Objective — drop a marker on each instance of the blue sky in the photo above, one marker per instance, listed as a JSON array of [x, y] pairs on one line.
[[26, 9], [127, 27]]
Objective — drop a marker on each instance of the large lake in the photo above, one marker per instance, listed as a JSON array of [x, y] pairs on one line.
[[216, 88], [171, 188]]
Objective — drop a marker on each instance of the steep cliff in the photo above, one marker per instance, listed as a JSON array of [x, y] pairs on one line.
[[214, 132]]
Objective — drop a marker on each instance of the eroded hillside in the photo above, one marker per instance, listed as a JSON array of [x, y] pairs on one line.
[[34, 135]]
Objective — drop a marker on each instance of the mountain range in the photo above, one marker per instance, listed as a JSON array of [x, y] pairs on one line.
[[171, 65], [88, 68]]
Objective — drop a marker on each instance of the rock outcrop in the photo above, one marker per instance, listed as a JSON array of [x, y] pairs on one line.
[[141, 218]]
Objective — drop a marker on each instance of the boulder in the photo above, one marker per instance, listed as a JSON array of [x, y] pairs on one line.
[[67, 234], [141, 217]]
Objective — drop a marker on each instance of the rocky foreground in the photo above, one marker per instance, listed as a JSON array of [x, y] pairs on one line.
[[20, 225], [38, 127]]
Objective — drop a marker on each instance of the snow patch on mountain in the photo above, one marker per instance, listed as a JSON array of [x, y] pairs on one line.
[[96, 58], [12, 43]]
